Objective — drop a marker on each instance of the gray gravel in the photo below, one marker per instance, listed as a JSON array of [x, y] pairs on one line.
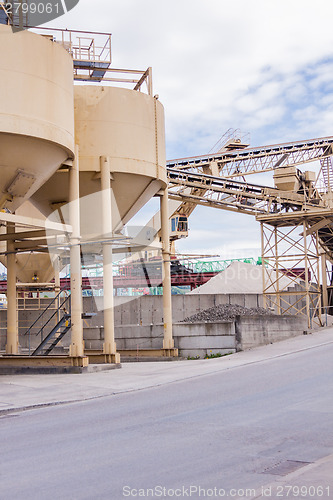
[[225, 312]]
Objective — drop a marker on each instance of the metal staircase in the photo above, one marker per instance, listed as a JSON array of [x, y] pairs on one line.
[[54, 337], [52, 334]]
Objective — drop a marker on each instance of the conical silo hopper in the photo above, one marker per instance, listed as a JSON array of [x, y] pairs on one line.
[[36, 113], [31, 267], [126, 126]]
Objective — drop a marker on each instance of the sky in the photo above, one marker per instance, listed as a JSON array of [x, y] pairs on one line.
[[264, 67]]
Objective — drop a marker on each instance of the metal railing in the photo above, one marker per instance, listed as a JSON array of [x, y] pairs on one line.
[[325, 313], [92, 57], [55, 315]]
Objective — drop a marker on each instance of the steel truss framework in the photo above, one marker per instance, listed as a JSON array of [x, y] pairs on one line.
[[296, 230], [219, 192], [233, 163], [285, 251], [256, 160]]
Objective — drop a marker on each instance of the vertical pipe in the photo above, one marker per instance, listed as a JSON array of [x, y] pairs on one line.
[[150, 81], [109, 346], [168, 342], [77, 346], [12, 323], [156, 138], [56, 267]]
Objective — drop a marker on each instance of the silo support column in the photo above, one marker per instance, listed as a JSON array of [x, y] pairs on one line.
[[168, 342], [109, 346], [12, 323], [77, 346]]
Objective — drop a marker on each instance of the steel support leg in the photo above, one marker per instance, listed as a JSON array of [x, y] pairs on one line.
[[12, 323], [324, 280], [77, 346], [109, 346], [168, 342]]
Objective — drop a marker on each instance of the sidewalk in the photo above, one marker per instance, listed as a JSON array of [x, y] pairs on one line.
[[23, 392], [313, 481]]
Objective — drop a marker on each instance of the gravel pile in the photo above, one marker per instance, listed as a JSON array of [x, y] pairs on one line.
[[240, 277], [225, 312]]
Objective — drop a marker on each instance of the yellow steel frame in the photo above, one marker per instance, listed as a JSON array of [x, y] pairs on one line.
[[297, 229], [289, 248]]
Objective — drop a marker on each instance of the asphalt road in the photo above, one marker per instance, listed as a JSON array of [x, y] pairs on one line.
[[222, 430]]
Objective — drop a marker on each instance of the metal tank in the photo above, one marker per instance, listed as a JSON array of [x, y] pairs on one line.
[[127, 127], [36, 113], [36, 125]]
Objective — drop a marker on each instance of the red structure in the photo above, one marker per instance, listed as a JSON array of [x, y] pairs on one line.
[[191, 279]]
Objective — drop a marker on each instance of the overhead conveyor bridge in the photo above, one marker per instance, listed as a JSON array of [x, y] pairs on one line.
[[237, 196], [296, 219], [247, 161]]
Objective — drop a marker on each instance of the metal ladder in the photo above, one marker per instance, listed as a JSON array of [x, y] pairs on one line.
[[327, 172]]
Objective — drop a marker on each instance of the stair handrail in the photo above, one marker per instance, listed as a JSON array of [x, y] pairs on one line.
[[40, 331], [46, 309], [51, 335]]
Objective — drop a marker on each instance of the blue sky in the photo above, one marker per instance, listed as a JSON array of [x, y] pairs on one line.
[[261, 66]]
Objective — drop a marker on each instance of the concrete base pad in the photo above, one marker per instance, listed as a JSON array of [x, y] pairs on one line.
[[100, 358], [11, 364], [97, 356], [44, 370], [162, 354]]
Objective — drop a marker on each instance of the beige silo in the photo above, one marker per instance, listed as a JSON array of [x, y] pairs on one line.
[[36, 113], [121, 161], [127, 127]]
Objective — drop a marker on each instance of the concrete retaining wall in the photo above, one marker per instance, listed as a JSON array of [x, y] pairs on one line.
[[148, 309], [200, 339], [252, 331], [192, 339], [139, 324]]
